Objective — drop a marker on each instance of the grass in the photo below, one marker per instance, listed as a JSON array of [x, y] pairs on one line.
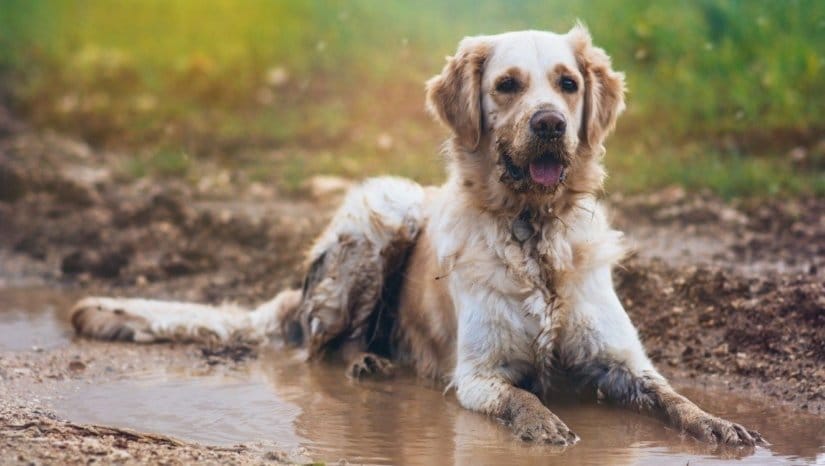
[[728, 175], [164, 163], [719, 91]]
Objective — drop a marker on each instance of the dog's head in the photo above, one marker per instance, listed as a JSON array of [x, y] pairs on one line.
[[530, 109]]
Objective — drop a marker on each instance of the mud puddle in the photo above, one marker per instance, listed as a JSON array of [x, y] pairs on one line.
[[34, 318], [315, 409]]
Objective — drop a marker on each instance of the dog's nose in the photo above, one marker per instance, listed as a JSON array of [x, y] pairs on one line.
[[549, 124]]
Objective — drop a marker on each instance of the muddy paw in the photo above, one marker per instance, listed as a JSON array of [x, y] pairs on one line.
[[370, 365], [102, 318], [716, 430], [545, 428]]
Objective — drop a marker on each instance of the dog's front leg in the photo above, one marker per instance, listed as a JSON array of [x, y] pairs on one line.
[[649, 392], [519, 409], [682, 413], [617, 367], [491, 356]]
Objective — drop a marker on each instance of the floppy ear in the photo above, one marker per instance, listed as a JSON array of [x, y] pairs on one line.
[[604, 88], [454, 96]]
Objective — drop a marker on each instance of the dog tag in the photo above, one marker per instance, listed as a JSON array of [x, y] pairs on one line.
[[522, 229]]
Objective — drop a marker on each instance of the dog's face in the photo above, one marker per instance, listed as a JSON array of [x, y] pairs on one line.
[[536, 105]]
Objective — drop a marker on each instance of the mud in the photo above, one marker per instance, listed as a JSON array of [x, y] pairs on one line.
[[733, 292], [727, 295]]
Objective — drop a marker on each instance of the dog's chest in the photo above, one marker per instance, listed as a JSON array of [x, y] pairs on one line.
[[500, 333], [518, 299]]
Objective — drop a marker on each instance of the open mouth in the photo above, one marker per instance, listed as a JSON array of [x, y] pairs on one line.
[[546, 170]]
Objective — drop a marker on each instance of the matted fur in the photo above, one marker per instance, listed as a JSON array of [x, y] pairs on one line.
[[497, 283]]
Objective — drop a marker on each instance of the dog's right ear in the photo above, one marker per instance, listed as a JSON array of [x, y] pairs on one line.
[[454, 96]]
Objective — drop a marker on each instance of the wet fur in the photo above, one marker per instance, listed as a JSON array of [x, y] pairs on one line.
[[484, 283]]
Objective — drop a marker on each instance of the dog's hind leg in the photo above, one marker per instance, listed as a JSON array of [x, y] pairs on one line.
[[144, 320], [352, 262]]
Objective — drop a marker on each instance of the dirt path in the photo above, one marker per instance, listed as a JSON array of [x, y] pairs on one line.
[[724, 293]]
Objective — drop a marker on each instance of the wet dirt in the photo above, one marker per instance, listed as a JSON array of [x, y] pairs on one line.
[[727, 295], [730, 292]]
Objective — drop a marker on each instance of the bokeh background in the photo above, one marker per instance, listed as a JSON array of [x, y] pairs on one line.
[[726, 96]]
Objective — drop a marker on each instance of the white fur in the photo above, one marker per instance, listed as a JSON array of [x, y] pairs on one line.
[[170, 320], [379, 209]]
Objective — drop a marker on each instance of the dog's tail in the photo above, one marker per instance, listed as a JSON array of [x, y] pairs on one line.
[[143, 320]]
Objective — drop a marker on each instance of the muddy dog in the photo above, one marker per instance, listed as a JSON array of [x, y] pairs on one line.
[[497, 283]]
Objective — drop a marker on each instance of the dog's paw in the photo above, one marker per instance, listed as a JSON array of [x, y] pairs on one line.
[[715, 430], [105, 319], [543, 427], [370, 365]]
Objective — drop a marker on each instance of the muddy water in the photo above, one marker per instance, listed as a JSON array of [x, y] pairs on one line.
[[278, 399], [33, 318], [281, 399]]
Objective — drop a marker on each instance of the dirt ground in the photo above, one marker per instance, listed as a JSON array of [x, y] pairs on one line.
[[725, 293]]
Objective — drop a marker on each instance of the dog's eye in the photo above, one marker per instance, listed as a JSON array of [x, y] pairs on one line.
[[568, 85], [508, 85]]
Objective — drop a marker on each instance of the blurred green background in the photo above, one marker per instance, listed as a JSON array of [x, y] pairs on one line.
[[725, 95]]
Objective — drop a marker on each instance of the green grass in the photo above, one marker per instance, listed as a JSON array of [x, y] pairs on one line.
[[728, 175], [322, 82], [164, 163]]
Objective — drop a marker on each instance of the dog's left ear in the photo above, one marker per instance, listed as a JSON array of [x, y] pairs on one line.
[[454, 96], [604, 88]]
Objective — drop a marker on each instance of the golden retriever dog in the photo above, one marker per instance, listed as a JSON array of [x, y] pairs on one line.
[[497, 283]]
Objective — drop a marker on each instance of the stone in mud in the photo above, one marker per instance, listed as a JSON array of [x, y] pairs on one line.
[[70, 192], [77, 366]]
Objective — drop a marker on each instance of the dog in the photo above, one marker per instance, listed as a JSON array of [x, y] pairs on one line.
[[497, 283]]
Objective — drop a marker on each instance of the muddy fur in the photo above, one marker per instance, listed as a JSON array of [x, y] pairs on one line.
[[341, 293], [531, 421]]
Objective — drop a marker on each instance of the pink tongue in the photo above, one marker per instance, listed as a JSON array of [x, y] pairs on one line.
[[545, 171]]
